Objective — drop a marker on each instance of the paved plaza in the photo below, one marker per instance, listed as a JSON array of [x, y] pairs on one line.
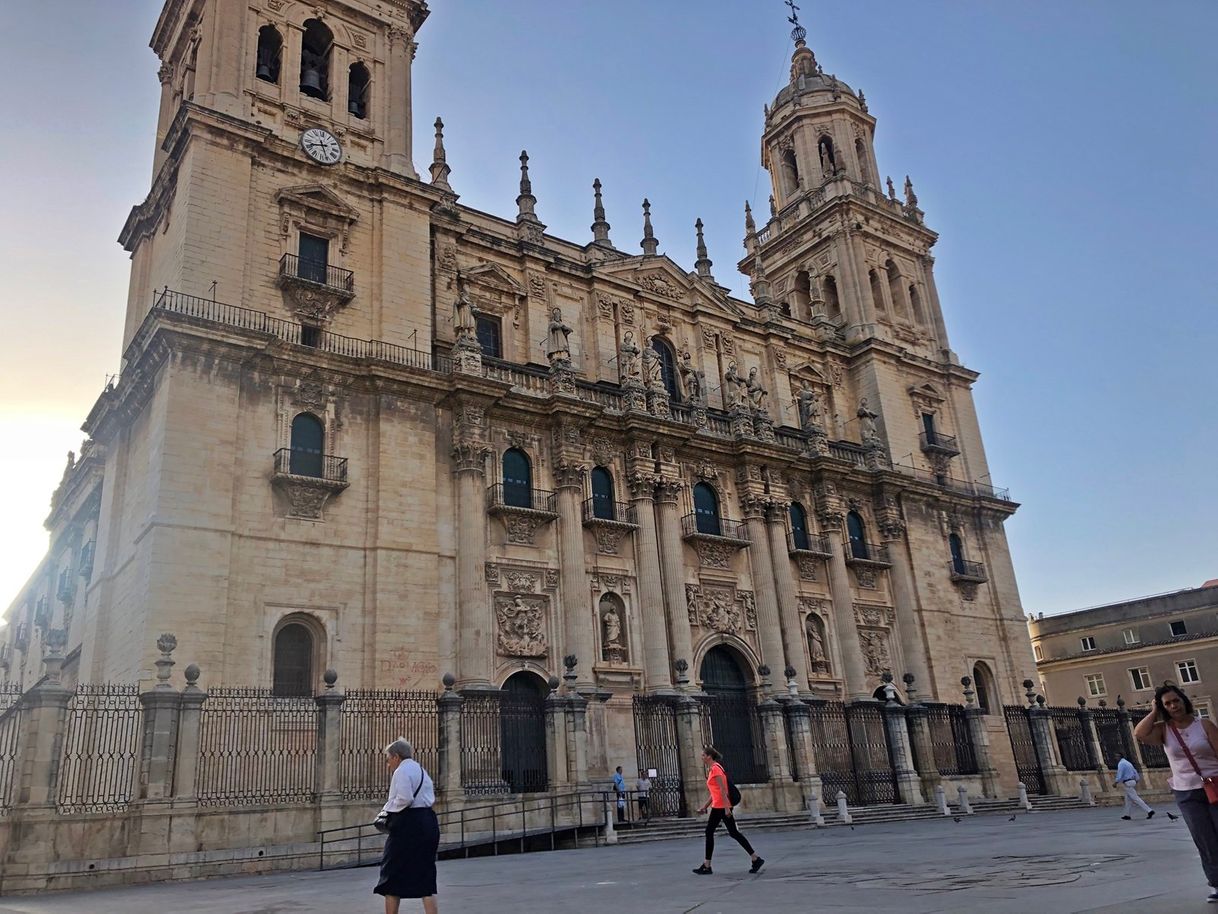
[[1049, 862]]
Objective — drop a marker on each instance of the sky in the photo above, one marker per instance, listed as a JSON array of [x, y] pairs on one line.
[[1063, 150]]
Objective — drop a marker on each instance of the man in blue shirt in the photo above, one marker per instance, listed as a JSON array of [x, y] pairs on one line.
[[1127, 777], [619, 787]]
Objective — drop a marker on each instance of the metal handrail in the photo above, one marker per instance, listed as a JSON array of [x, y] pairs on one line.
[[318, 272], [859, 551], [937, 441], [817, 543], [965, 569], [297, 462], [728, 529], [528, 500], [614, 511]]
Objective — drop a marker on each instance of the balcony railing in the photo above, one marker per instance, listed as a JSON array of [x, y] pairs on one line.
[[938, 443], [962, 570], [809, 544], [518, 498], [963, 486], [708, 525], [858, 552], [292, 268], [297, 462], [597, 511]]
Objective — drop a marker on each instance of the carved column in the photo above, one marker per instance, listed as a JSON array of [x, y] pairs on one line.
[[854, 670], [909, 629], [769, 630], [476, 627], [573, 577], [397, 135], [656, 661], [851, 302], [788, 612], [673, 564]]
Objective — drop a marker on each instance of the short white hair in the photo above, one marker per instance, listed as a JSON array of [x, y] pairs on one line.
[[401, 748]]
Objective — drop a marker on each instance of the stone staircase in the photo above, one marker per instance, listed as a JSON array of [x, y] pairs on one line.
[[669, 829]]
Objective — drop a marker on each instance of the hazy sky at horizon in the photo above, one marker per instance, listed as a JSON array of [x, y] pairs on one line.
[[1064, 152]]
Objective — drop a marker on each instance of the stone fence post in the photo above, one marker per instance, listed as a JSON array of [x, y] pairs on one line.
[[190, 720], [1087, 719], [556, 736], [1055, 775], [908, 783], [158, 744], [448, 781], [918, 719], [326, 781], [777, 755], [799, 730], [1133, 746], [44, 713], [689, 741], [975, 718]]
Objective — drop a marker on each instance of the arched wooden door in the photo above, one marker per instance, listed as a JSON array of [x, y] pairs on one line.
[[522, 733]]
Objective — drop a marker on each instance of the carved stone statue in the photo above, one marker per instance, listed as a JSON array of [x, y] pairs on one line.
[[874, 646], [695, 387], [732, 386], [653, 371], [521, 631], [816, 643], [613, 626], [464, 325], [558, 346], [628, 358], [613, 648], [809, 409], [756, 393], [867, 429]]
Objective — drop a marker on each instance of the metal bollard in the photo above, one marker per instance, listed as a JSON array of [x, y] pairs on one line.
[[1084, 792], [1023, 796], [941, 800], [814, 811], [843, 811], [966, 808]]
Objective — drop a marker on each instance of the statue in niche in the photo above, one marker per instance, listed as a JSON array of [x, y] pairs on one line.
[[816, 643], [695, 381], [867, 429], [653, 371], [558, 345], [464, 325], [628, 358], [613, 650], [809, 409], [756, 393], [733, 386]]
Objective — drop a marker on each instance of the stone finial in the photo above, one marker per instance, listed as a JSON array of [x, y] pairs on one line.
[[862, 101], [569, 662], [892, 190], [760, 285], [703, 263], [969, 695], [448, 680], [1040, 701], [553, 682], [750, 227], [1029, 692], [1103, 703], [1120, 703], [164, 664], [525, 203], [329, 677], [52, 656], [681, 665], [789, 671], [650, 244], [1082, 702], [773, 208], [911, 693], [167, 643], [600, 228], [192, 673], [439, 161], [911, 199]]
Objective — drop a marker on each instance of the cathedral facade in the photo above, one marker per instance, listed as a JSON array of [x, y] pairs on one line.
[[356, 455]]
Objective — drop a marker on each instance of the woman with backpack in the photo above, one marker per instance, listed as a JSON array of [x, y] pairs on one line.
[[723, 799]]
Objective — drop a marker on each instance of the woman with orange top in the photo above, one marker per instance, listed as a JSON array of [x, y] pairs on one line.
[[721, 808]]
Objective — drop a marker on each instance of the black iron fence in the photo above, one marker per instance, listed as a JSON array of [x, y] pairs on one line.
[[1073, 738], [519, 496], [1023, 748], [1115, 736], [481, 772], [1152, 756], [816, 543], [951, 740], [317, 271], [255, 747], [371, 720], [713, 525], [960, 568], [732, 724], [299, 462], [603, 509], [658, 750], [101, 748], [10, 734], [850, 743]]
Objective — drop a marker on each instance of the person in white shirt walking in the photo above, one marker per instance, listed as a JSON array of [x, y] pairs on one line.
[[1127, 776]]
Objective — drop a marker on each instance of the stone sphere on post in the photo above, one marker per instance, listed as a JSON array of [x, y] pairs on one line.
[[329, 677], [448, 680]]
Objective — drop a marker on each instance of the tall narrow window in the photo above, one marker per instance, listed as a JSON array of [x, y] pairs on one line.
[[915, 302], [668, 366], [706, 510], [602, 493], [270, 52], [833, 304], [315, 48], [860, 153], [801, 296], [489, 335], [293, 662], [308, 438], [877, 292], [517, 479], [983, 681], [790, 172], [957, 549], [799, 526], [359, 81], [928, 426], [314, 258], [896, 290], [858, 536]]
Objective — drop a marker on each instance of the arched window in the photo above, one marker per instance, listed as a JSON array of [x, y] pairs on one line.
[[799, 526], [957, 549], [293, 661], [517, 479], [877, 292], [858, 536], [668, 366], [308, 440], [602, 493], [359, 82], [983, 682], [828, 160], [801, 295], [315, 48], [896, 290], [915, 302], [860, 153], [833, 304], [706, 510], [270, 52], [790, 172]]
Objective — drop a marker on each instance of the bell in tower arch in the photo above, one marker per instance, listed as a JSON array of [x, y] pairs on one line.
[[315, 60]]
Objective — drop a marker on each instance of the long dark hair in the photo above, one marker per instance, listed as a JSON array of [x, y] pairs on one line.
[[715, 754], [1163, 690]]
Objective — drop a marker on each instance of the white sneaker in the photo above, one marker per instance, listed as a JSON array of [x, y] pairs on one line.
[[1212, 897]]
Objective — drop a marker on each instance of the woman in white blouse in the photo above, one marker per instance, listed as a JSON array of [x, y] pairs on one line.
[[408, 866]]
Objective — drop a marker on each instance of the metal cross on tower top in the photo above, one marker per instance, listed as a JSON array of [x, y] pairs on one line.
[[799, 32]]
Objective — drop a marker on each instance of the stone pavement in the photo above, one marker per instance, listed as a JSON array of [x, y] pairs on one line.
[[1051, 862]]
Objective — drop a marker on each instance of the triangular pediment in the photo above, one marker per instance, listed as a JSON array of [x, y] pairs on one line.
[[493, 276], [317, 197]]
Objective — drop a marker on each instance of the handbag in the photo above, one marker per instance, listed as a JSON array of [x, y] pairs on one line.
[[381, 822], [1209, 785]]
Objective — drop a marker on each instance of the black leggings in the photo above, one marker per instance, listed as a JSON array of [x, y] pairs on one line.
[[720, 815]]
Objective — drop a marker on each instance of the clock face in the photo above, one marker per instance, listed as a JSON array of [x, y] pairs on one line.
[[321, 146]]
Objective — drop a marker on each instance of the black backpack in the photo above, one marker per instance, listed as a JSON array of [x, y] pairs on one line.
[[733, 792]]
